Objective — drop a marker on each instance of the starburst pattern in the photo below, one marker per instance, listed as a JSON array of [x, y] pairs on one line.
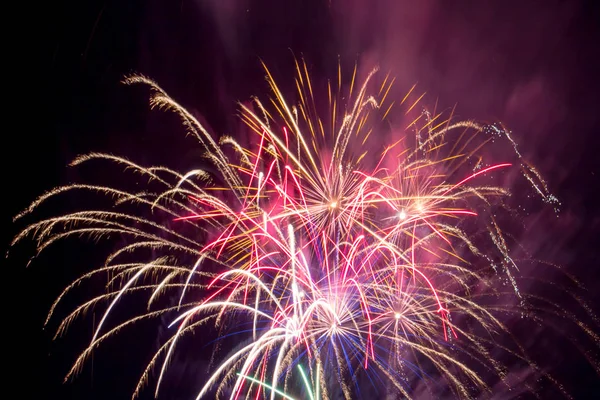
[[316, 246]]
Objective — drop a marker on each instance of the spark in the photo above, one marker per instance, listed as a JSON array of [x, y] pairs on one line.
[[339, 254]]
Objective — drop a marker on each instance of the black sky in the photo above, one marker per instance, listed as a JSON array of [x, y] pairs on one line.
[[533, 65]]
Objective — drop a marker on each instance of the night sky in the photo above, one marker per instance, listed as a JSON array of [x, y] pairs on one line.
[[533, 65]]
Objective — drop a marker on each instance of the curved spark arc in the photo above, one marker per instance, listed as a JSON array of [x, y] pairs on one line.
[[349, 264]]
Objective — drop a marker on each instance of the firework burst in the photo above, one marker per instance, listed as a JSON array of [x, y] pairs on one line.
[[315, 246]]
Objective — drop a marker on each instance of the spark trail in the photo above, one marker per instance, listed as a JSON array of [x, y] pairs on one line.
[[317, 245]]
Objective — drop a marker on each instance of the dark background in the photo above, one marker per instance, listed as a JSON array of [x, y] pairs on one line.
[[531, 64]]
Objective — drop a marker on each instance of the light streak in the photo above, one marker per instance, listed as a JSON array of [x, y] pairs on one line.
[[346, 263]]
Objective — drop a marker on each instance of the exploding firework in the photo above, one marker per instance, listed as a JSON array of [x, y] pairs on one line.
[[322, 254]]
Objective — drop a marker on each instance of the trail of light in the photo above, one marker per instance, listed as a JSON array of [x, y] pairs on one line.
[[306, 383], [266, 385], [112, 304], [483, 171]]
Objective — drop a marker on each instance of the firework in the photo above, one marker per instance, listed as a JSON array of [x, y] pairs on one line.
[[315, 246]]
